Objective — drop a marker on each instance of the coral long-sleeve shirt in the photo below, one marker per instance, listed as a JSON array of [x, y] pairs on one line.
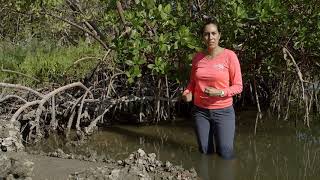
[[221, 72]]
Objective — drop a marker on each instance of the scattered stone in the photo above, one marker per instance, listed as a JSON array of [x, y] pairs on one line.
[[138, 166], [16, 167], [114, 174], [5, 165], [120, 162], [141, 153], [10, 137]]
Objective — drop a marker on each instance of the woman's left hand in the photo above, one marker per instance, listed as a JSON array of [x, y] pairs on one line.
[[210, 91]]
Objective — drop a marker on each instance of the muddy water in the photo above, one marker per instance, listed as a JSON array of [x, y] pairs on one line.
[[277, 151]]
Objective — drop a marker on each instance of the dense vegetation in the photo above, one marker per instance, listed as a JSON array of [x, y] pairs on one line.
[[143, 48]]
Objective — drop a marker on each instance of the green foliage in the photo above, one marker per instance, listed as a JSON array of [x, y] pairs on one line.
[[164, 33], [157, 34], [46, 62], [259, 30]]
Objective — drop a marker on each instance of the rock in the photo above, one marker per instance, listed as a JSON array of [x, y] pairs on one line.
[[128, 161], [17, 167], [4, 148], [7, 142], [138, 166], [141, 161], [5, 165], [131, 157], [152, 157], [10, 177], [168, 164], [114, 174], [10, 137], [151, 168], [22, 167], [141, 152]]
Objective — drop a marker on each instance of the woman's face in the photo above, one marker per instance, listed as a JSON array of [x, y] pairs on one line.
[[211, 36]]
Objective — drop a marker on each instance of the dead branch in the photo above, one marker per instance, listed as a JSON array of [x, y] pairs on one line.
[[85, 58], [120, 11], [12, 96], [111, 81], [89, 129], [285, 54], [81, 28], [17, 86], [106, 55], [19, 73], [53, 122], [22, 108], [73, 113], [306, 116], [70, 123], [80, 111]]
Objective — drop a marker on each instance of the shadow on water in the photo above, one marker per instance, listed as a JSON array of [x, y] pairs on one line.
[[278, 151]]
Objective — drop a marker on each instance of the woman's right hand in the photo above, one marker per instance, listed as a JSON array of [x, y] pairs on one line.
[[187, 97]]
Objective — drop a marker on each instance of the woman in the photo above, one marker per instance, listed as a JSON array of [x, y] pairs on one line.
[[215, 78]]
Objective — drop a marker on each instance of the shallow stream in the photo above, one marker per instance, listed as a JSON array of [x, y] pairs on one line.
[[277, 151]]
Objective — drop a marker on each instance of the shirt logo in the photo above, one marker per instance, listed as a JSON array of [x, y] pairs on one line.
[[218, 67]]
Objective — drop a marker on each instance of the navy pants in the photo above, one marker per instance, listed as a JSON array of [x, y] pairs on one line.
[[215, 130]]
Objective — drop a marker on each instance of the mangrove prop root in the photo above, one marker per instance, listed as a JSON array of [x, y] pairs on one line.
[[62, 108]]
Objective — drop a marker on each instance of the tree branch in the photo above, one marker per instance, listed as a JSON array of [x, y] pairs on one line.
[[81, 28]]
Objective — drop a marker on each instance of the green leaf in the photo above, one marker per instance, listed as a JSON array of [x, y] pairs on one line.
[[136, 70], [141, 61], [128, 74], [163, 47], [150, 3], [150, 66], [130, 80], [167, 9], [129, 62], [179, 8], [163, 15], [176, 45]]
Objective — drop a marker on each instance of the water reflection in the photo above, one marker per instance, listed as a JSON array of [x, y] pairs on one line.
[[212, 167]]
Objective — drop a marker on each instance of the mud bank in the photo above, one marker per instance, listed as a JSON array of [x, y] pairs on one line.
[[15, 163], [58, 165]]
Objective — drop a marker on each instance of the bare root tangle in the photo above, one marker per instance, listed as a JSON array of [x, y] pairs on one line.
[[298, 93], [109, 94], [55, 112], [307, 100], [36, 123], [285, 54]]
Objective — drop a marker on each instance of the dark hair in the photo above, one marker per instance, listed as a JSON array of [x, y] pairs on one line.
[[206, 20]]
